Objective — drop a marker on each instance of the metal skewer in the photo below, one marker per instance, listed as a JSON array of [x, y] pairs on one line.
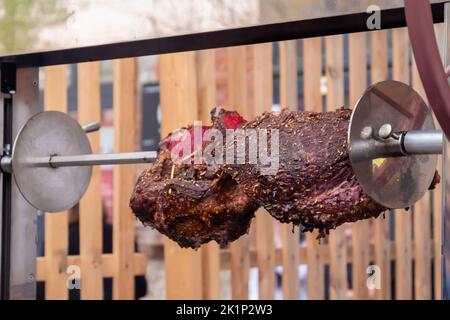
[[51, 160], [93, 159]]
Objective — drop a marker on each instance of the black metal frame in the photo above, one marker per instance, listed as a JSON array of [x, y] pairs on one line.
[[350, 23], [8, 88]]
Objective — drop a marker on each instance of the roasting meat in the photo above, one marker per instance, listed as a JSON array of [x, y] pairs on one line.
[[192, 203], [313, 185]]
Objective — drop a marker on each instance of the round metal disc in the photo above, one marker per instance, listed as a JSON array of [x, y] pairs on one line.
[[44, 135], [394, 182]]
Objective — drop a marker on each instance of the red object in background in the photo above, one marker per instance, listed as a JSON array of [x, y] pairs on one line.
[[107, 193]]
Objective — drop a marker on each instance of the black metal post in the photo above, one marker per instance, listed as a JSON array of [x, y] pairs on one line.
[[8, 88]]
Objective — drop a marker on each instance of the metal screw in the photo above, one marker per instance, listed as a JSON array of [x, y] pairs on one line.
[[385, 131], [366, 133]]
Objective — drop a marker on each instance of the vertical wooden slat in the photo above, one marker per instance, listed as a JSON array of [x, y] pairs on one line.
[[437, 200], [313, 102], [422, 252], [125, 105], [290, 237], [422, 227], [403, 219], [265, 246], [56, 224], [437, 235], [237, 99], [381, 225], [360, 230], [335, 99], [91, 238], [206, 95], [179, 105], [403, 272]]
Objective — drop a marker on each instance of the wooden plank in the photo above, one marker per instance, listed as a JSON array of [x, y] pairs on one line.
[[422, 252], [237, 99], [290, 236], [206, 83], [360, 229], [302, 253], [335, 99], [404, 255], [206, 95], [125, 106], [437, 198], [179, 105], [91, 226], [437, 235], [265, 246], [107, 265], [422, 226], [379, 72], [56, 224], [403, 222], [265, 253], [211, 271], [313, 102]]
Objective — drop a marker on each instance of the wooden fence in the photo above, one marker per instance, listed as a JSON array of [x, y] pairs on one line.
[[123, 264], [405, 245]]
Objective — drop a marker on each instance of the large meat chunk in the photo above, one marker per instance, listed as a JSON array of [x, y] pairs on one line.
[[314, 185], [192, 203]]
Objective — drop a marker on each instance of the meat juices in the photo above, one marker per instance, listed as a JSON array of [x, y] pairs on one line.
[[314, 186]]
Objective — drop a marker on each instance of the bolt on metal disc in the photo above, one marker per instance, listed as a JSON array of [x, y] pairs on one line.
[[44, 135], [394, 182]]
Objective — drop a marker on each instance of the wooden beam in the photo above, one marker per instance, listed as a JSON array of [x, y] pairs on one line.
[[312, 62], [56, 224], [290, 237], [335, 99], [437, 198], [179, 105], [422, 227], [265, 245], [360, 229], [91, 216], [379, 68], [206, 96], [403, 219], [237, 99], [107, 265], [324, 250], [125, 106]]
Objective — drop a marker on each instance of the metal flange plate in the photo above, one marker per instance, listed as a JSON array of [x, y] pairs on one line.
[[44, 135], [394, 182]]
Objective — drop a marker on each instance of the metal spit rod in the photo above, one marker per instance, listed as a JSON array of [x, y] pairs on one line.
[[387, 143], [409, 143], [423, 142], [83, 160], [94, 159]]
